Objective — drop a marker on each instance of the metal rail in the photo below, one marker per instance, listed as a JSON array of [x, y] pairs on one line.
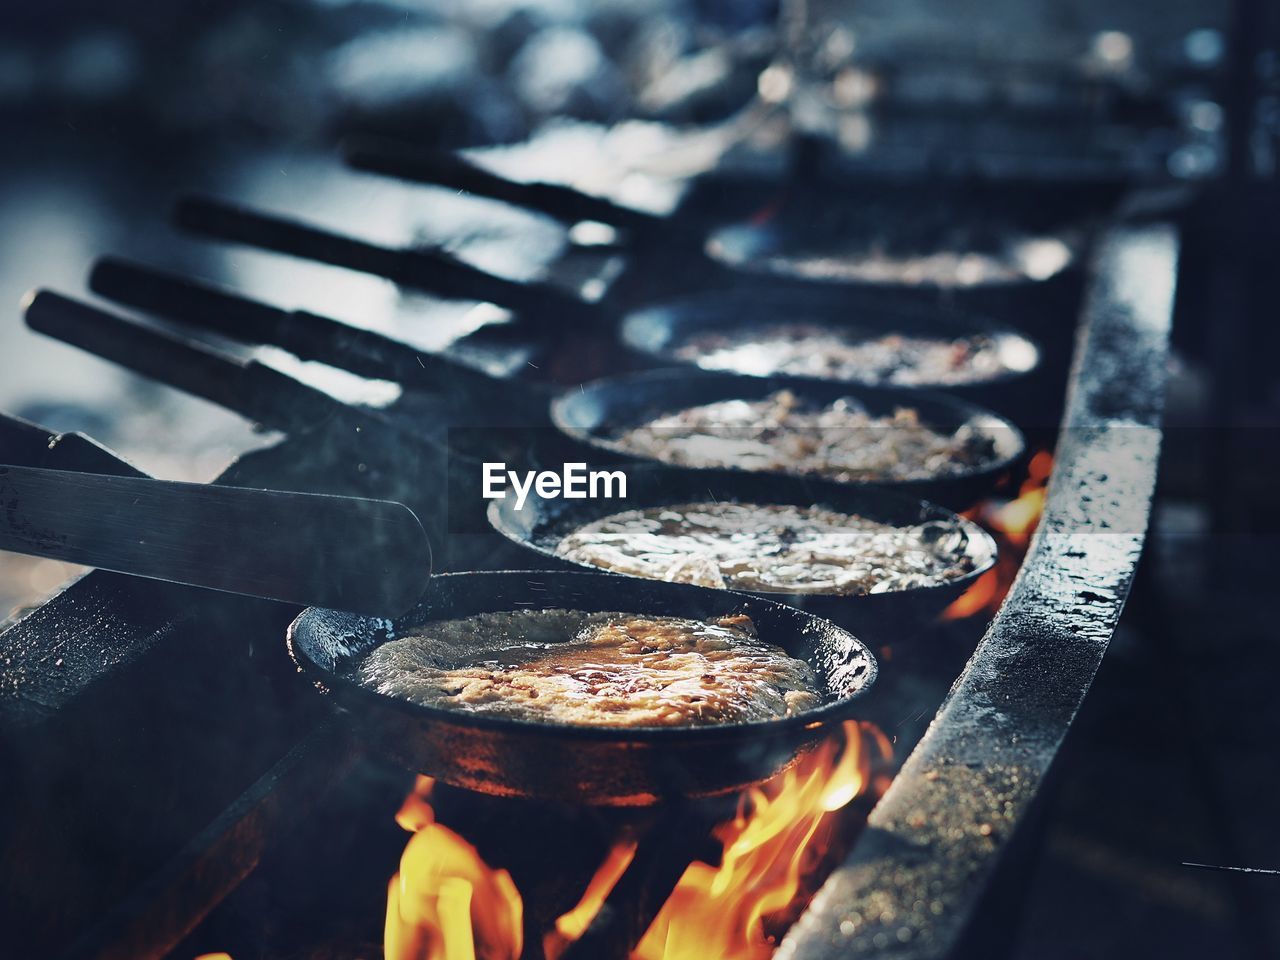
[[910, 886]]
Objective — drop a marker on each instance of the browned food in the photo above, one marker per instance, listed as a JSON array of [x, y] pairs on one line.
[[776, 548], [848, 354], [600, 669], [841, 441]]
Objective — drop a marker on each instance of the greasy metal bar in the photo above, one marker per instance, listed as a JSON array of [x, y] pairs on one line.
[[169, 905], [912, 882], [64, 697]]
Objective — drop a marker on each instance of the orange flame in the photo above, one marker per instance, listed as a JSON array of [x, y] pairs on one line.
[[1012, 523], [572, 925], [446, 903], [773, 844]]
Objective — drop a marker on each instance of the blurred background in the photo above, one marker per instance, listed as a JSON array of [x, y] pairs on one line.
[[112, 110]]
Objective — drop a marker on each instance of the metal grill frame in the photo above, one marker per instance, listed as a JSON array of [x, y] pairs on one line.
[[911, 885]]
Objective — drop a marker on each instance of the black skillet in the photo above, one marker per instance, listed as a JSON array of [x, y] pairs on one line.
[[507, 757], [680, 254], [540, 525], [577, 763], [661, 329], [1031, 235], [785, 221], [597, 412], [735, 231], [587, 415]]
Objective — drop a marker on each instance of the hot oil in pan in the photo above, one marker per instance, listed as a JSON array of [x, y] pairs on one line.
[[859, 356], [602, 669], [778, 548], [781, 433]]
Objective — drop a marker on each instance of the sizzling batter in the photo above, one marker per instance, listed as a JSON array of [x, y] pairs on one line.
[[772, 547], [781, 433], [848, 354], [602, 669], [963, 260]]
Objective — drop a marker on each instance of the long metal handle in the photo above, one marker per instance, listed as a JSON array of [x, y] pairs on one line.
[[343, 552], [430, 271], [306, 335], [248, 388], [445, 169]]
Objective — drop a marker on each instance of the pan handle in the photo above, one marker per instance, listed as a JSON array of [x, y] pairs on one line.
[[348, 553], [251, 389], [308, 336], [448, 169], [428, 270]]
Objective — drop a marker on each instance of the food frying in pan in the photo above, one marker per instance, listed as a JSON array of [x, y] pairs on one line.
[[773, 548], [964, 261], [840, 441], [848, 354], [602, 669]]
